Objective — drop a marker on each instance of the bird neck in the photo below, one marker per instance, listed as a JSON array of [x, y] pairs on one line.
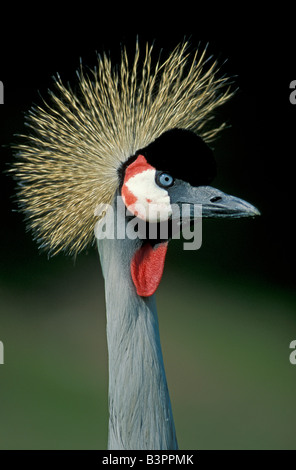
[[140, 414]]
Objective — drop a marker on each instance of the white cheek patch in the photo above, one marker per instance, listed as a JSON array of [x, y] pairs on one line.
[[145, 199]]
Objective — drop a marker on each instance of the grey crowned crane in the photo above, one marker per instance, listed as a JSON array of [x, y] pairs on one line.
[[136, 136]]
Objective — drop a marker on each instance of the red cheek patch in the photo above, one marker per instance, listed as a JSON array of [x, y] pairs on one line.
[[138, 166], [147, 268], [128, 197]]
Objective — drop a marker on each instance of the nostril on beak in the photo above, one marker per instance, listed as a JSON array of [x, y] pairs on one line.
[[215, 198]]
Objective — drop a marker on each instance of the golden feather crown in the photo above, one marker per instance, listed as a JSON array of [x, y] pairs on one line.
[[68, 162]]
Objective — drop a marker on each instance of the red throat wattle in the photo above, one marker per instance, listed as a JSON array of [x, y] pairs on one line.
[[147, 268]]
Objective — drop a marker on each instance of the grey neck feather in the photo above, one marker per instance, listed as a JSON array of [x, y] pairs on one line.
[[140, 414]]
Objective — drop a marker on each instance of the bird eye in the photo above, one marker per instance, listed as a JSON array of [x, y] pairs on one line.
[[164, 180]]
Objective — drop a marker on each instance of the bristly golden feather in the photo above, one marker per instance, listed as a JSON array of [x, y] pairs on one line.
[[68, 163]]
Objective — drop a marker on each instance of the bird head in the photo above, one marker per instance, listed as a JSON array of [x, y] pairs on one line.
[[175, 169], [140, 131], [173, 172]]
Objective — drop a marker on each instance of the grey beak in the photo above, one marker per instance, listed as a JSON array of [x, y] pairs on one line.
[[219, 204], [213, 202]]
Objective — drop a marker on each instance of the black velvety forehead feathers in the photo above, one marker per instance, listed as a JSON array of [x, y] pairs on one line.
[[182, 154]]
